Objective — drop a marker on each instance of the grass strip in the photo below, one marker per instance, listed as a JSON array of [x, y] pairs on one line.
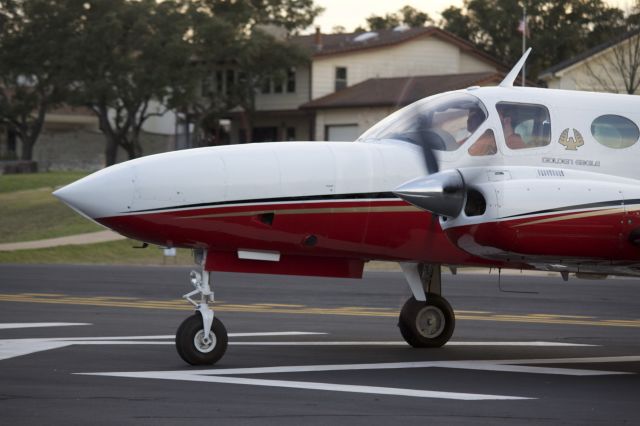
[[36, 214], [23, 182], [110, 253]]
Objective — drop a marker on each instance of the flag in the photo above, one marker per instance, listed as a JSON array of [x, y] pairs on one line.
[[522, 28]]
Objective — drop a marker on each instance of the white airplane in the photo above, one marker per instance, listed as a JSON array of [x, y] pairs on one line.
[[507, 177]]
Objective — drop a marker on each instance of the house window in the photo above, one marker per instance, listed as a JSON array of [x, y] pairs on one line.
[[230, 81], [277, 85], [341, 78], [266, 85], [291, 80], [219, 81]]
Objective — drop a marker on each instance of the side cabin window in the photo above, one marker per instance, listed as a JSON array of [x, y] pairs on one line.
[[485, 145], [524, 125], [614, 131]]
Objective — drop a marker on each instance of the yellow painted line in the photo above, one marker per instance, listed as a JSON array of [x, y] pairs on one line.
[[276, 308], [278, 305], [561, 316], [43, 294]]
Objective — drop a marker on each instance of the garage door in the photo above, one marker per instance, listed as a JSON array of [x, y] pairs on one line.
[[342, 132]]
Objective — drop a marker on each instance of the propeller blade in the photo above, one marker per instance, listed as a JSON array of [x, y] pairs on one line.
[[430, 160]]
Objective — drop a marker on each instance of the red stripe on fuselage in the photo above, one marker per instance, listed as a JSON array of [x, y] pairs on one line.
[[363, 229], [589, 234]]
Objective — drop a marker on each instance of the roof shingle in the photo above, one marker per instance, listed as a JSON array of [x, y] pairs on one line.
[[399, 91]]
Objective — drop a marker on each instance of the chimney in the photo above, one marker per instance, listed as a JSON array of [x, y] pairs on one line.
[[318, 39]]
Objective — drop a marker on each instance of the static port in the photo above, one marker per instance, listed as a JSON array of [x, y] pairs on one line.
[[310, 240], [476, 204]]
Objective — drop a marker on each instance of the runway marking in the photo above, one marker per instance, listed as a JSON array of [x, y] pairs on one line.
[[294, 309], [11, 348], [511, 366], [376, 390], [14, 325], [403, 343]]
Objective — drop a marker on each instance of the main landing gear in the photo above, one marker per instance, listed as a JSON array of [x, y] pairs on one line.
[[426, 319], [201, 339]]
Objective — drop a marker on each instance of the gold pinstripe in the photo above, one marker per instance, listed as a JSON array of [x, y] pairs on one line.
[[571, 216], [319, 210]]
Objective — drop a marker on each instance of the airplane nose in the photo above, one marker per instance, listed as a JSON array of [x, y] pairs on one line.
[[104, 193]]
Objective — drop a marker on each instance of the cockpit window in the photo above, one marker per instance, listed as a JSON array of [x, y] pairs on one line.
[[485, 145], [442, 123], [524, 125]]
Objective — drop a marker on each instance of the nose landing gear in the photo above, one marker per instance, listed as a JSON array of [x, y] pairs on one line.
[[201, 339]]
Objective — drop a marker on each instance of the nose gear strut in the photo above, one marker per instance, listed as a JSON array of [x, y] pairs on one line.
[[202, 338]]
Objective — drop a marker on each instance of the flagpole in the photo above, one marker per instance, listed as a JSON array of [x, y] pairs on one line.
[[524, 37]]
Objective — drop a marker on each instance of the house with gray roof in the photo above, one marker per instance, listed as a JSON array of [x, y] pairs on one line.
[[613, 66], [353, 80]]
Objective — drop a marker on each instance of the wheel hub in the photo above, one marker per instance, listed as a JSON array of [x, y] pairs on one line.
[[430, 322], [204, 344]]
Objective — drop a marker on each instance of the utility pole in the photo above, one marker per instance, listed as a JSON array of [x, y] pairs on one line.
[[524, 38]]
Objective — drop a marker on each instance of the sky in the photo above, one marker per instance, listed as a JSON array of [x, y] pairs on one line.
[[353, 13]]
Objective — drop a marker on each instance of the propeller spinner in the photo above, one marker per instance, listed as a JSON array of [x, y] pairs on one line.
[[441, 193]]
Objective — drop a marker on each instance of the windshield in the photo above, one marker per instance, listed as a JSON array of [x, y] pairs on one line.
[[442, 122]]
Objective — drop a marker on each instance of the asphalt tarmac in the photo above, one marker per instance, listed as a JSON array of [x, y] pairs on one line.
[[94, 345]]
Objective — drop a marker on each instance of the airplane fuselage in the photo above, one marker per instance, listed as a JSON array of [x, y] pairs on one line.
[[324, 208]]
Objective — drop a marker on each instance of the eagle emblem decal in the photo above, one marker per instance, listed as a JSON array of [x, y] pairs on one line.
[[571, 143]]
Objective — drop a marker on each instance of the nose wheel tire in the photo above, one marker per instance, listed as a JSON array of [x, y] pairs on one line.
[[196, 348], [427, 324]]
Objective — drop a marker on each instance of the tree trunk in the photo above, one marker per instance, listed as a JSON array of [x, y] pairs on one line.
[[247, 123], [111, 150], [30, 132], [27, 148], [134, 149]]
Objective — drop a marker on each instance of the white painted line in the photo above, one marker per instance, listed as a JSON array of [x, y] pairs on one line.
[[377, 390], [9, 349], [276, 333], [8, 326], [172, 336], [532, 344], [403, 343], [588, 360], [505, 365], [514, 368]]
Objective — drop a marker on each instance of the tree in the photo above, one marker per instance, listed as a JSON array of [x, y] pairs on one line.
[[407, 15], [33, 65], [241, 47], [127, 54], [557, 30], [292, 15], [262, 58], [618, 70]]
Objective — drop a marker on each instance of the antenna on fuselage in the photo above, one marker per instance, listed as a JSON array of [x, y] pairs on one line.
[[511, 77]]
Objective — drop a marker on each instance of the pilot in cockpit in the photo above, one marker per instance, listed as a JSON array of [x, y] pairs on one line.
[[486, 144], [513, 139]]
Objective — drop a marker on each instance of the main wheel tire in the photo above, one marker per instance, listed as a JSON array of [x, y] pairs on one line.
[[427, 324], [193, 348]]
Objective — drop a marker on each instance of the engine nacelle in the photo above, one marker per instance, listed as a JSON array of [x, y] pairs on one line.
[[527, 213]]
